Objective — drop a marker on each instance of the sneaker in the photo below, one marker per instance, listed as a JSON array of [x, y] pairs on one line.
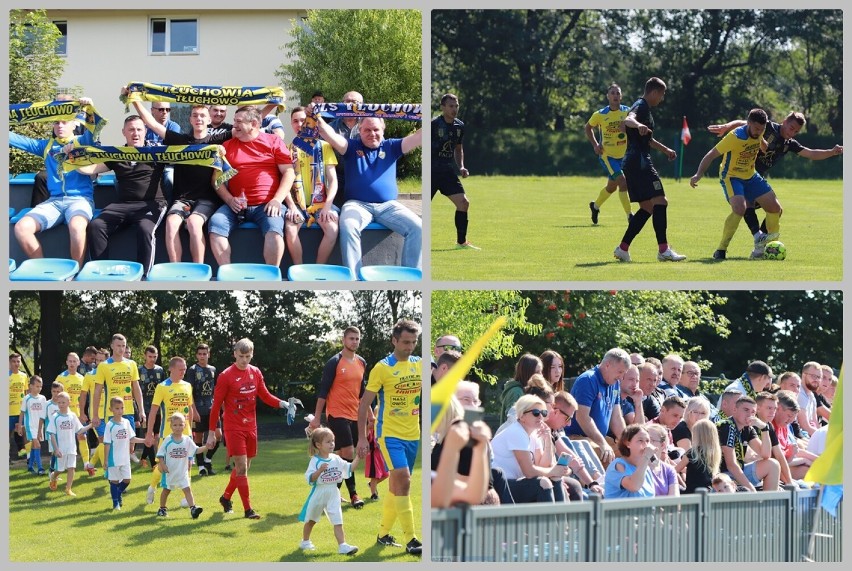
[[227, 504], [41, 472], [719, 254], [374, 496], [251, 514], [760, 241], [53, 485], [357, 502], [70, 493], [388, 541], [467, 246], [307, 545], [346, 549], [90, 469], [414, 547], [622, 255], [595, 212], [210, 471], [134, 458], [670, 256], [163, 512], [202, 471], [195, 511], [149, 496], [116, 507]]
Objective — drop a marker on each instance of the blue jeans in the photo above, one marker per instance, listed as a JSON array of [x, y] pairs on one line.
[[355, 216]]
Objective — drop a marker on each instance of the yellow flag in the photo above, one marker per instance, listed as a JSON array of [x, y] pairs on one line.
[[441, 391], [828, 468]]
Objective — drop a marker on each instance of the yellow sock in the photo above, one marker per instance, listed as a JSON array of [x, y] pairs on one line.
[[388, 514], [84, 450], [405, 513], [728, 231], [773, 222], [625, 201], [602, 197], [98, 456], [28, 446], [156, 475]]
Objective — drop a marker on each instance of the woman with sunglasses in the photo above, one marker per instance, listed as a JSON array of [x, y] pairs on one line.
[[630, 476], [515, 453]]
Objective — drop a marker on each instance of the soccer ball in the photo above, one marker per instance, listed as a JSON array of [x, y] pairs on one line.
[[775, 250]]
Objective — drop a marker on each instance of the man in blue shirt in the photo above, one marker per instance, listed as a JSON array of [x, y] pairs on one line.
[[597, 392], [371, 189]]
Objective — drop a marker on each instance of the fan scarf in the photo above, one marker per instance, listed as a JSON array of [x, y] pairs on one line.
[[21, 113], [203, 94], [309, 132], [318, 188], [212, 156]]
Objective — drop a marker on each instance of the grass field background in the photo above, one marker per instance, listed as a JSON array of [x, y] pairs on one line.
[[539, 228], [50, 526]]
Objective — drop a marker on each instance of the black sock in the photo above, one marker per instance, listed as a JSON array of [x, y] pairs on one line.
[[750, 218], [636, 224], [763, 227], [199, 459], [461, 226], [660, 222], [350, 481], [211, 452]]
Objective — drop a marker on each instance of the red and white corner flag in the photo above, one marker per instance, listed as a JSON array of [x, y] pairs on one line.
[[685, 135]]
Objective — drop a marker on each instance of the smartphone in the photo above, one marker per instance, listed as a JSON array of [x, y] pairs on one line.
[[473, 414], [563, 459]]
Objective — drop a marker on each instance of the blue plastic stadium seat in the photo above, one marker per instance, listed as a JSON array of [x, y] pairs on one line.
[[319, 273], [23, 178], [106, 179], [12, 265], [18, 215], [375, 226], [248, 272], [45, 270], [11, 212], [111, 271], [180, 272], [389, 274]]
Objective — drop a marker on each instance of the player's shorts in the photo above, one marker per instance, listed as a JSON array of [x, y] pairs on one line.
[[31, 429], [118, 473], [202, 425], [54, 211], [201, 207], [175, 481], [446, 182], [344, 431], [611, 166], [323, 498], [751, 189], [67, 462], [242, 443], [643, 180], [398, 453]]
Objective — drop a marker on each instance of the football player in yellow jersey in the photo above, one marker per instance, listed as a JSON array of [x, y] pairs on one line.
[[610, 149], [18, 382], [73, 382], [739, 179], [397, 381], [172, 395]]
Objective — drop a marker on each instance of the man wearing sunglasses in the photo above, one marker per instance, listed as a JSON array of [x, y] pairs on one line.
[[597, 392], [162, 110], [444, 343]]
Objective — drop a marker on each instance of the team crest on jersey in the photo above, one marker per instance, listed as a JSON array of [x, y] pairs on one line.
[[442, 133], [381, 154], [198, 375]]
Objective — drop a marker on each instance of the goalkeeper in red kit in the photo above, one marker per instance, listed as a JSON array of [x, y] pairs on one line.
[[236, 393]]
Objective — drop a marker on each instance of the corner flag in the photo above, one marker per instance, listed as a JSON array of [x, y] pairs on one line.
[[443, 390], [685, 135]]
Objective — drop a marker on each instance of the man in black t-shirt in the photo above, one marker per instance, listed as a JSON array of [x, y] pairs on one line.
[[202, 377], [150, 375], [744, 430], [140, 200]]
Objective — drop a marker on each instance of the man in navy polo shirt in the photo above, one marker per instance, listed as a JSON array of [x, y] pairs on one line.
[[597, 392]]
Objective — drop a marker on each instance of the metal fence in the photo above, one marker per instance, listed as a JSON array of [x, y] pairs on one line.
[[761, 526]]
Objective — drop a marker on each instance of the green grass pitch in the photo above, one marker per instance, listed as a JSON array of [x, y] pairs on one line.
[[50, 526], [539, 229]]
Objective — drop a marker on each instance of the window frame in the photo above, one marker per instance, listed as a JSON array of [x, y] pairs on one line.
[[168, 51]]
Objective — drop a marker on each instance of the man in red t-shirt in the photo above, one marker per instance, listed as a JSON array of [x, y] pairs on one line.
[[343, 380], [264, 177], [236, 395]]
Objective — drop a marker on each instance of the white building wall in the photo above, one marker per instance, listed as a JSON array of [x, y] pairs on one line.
[[108, 49]]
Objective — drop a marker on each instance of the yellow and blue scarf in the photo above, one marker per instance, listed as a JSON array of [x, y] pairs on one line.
[[44, 111], [203, 94], [309, 133]]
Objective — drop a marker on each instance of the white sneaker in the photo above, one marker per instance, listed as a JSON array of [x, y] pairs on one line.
[[346, 549], [670, 256], [134, 458], [760, 240], [622, 255], [307, 545], [149, 497]]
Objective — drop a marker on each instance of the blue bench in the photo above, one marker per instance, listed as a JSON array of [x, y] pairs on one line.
[[380, 246]]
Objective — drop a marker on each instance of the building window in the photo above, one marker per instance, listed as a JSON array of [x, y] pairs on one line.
[[62, 43], [174, 36]]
